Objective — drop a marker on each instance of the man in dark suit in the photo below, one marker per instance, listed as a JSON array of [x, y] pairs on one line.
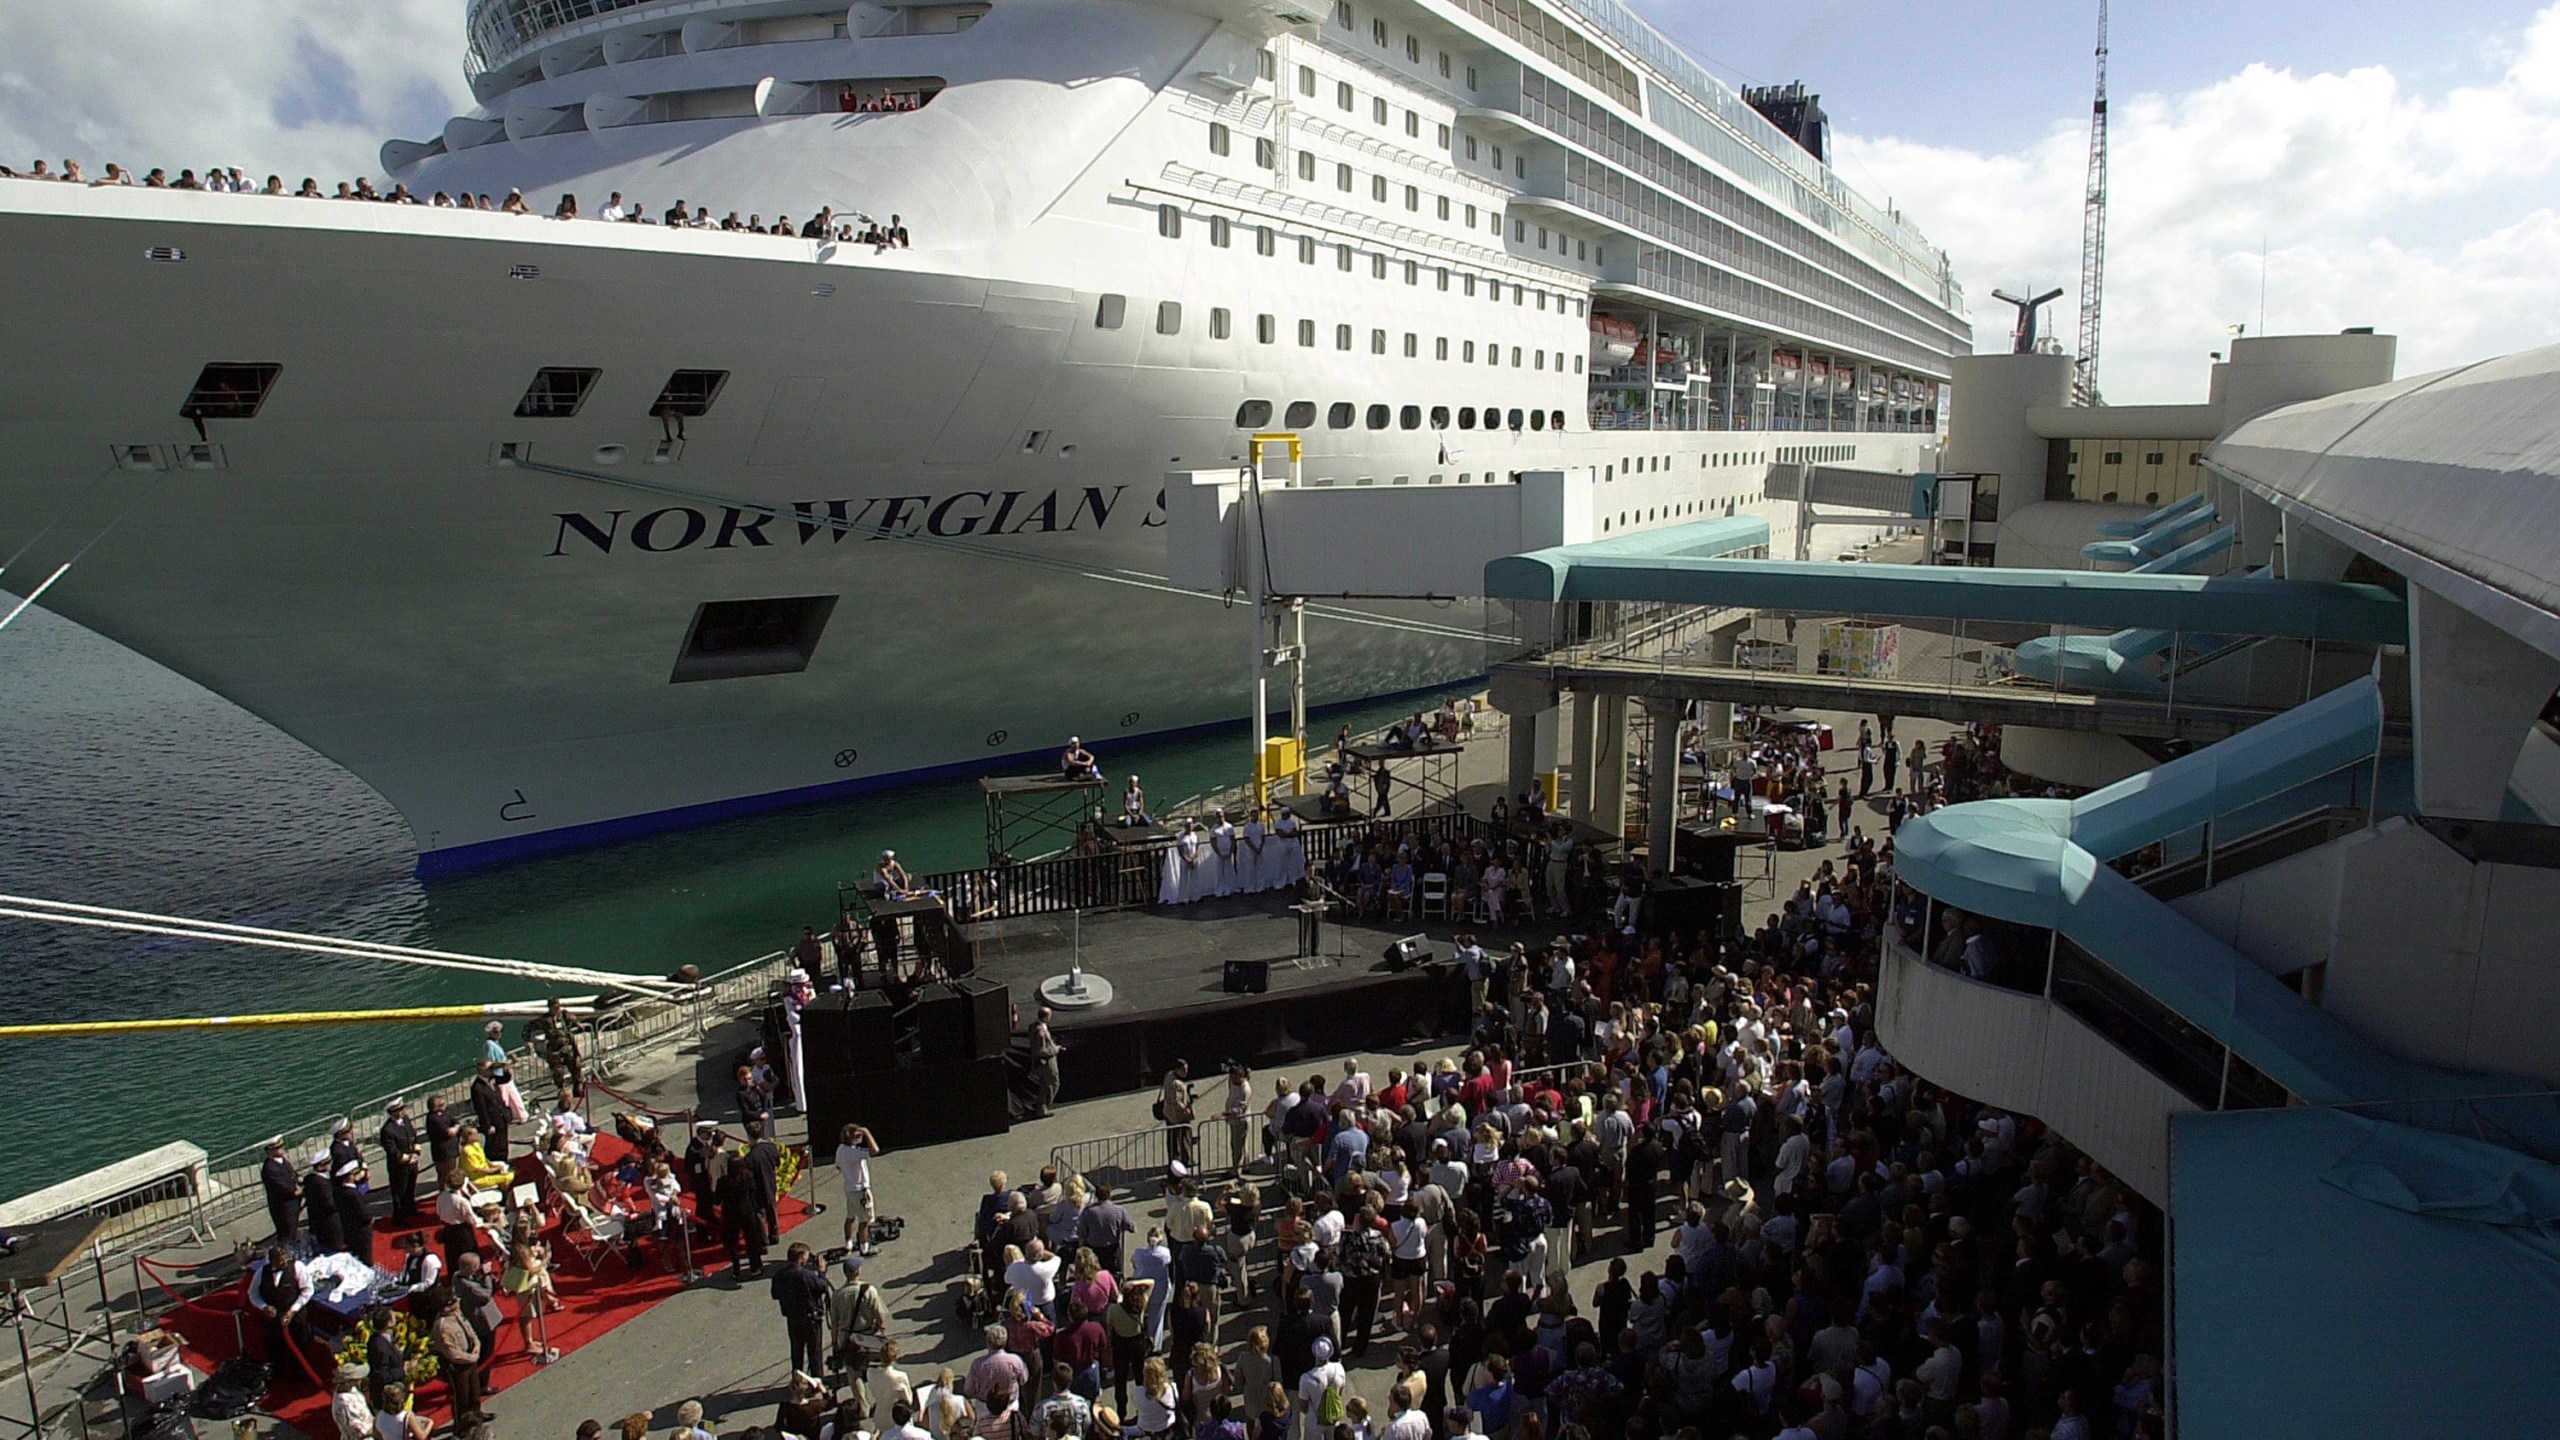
[[399, 1140], [489, 1107], [800, 1288], [342, 1144], [347, 1186], [284, 1192], [764, 1159], [444, 1133], [1312, 892], [320, 1206], [754, 1105]]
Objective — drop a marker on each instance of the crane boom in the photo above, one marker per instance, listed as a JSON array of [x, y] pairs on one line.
[[2093, 233]]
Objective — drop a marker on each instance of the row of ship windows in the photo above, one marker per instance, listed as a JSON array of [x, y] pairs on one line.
[[1708, 460], [1111, 312], [1268, 66], [237, 391], [1266, 241], [1343, 415], [1381, 189], [1266, 155]]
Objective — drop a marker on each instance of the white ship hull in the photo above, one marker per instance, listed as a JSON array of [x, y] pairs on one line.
[[493, 647]]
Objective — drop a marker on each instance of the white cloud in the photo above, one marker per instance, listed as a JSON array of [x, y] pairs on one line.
[[2421, 215], [291, 86]]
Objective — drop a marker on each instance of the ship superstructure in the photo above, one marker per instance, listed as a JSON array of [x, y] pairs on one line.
[[551, 530]]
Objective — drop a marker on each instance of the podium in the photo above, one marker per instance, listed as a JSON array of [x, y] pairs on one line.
[[1311, 915]]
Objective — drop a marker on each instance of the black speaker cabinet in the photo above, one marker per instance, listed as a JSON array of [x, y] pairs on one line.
[[942, 1023], [917, 1105], [931, 1103], [1247, 977], [832, 1092], [990, 1010], [1685, 903], [851, 1033], [1707, 851]]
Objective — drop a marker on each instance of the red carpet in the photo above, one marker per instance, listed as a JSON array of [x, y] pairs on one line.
[[590, 1305]]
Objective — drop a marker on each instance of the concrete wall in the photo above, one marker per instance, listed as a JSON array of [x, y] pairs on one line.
[[2025, 1053], [2071, 757], [1987, 430], [2427, 954], [2270, 370], [1416, 539]]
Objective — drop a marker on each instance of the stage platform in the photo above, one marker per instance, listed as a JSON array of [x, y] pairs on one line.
[[1167, 969]]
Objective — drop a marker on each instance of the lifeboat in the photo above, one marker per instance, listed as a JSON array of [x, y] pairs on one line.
[[1613, 341]]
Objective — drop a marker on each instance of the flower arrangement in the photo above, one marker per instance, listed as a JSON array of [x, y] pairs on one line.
[[415, 1346]]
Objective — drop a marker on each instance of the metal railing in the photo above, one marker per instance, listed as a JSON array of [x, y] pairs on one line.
[[1053, 885], [1133, 876], [1134, 1162], [2222, 860]]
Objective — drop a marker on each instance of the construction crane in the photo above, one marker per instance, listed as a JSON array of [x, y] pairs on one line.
[[2093, 233]]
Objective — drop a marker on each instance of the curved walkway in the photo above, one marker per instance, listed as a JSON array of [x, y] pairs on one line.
[[2043, 863]]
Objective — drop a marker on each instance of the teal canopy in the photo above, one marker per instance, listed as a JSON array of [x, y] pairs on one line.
[[2217, 605]]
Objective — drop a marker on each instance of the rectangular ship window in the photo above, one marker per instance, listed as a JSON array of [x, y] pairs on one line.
[[229, 392], [731, 639], [690, 393], [556, 393]]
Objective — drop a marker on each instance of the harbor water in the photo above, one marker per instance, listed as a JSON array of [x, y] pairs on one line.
[[122, 784]]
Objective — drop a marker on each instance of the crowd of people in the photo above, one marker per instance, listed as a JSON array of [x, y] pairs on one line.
[[827, 224], [474, 1255], [1853, 1253]]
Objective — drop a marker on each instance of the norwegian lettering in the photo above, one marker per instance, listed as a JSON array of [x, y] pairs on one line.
[[720, 526], [1097, 502], [839, 519], [644, 531], [736, 525], [1044, 514], [600, 536], [941, 523], [894, 519]]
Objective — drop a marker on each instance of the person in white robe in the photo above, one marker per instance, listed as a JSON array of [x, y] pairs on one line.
[[1253, 855], [1169, 891], [1224, 860], [1287, 851], [1194, 857]]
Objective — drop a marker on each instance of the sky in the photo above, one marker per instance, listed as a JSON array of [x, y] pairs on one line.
[[2397, 165]]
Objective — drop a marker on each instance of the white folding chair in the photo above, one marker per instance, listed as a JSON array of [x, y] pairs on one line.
[[596, 1235], [1435, 896]]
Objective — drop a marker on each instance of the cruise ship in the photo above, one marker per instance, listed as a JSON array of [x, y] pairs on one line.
[[554, 532]]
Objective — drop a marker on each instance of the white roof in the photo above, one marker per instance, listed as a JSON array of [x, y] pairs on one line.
[[2453, 479]]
